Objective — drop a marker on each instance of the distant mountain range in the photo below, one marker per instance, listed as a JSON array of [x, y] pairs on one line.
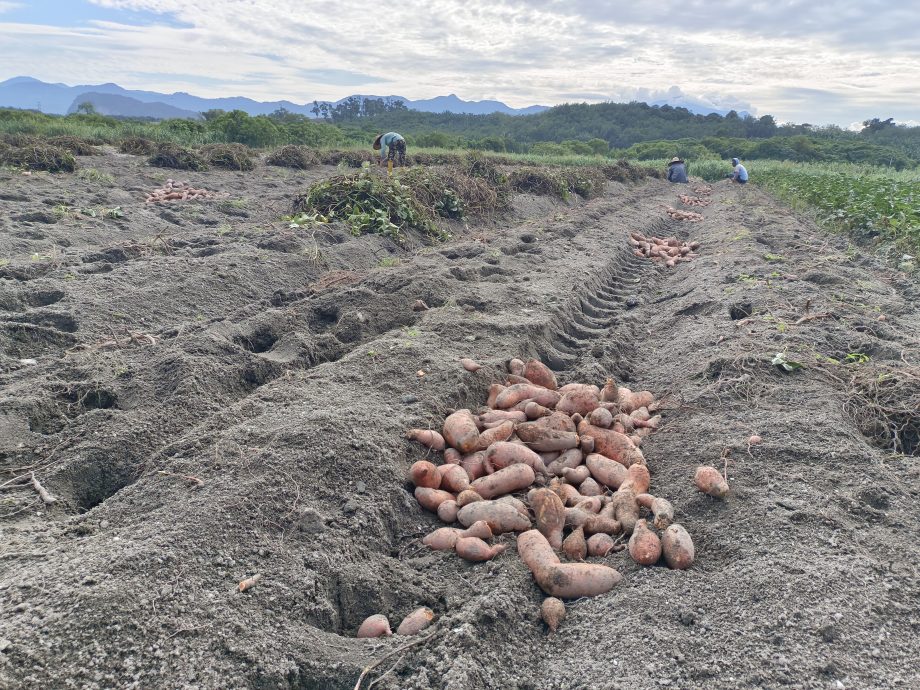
[[111, 99]]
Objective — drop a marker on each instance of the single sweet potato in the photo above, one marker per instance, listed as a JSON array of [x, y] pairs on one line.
[[430, 499], [464, 498], [552, 611], [540, 437], [454, 478], [442, 539], [589, 504], [589, 487], [601, 524], [662, 510], [563, 580], [427, 437], [570, 458], [610, 393], [516, 367], [540, 374], [461, 431], [501, 432], [520, 392], [630, 401], [576, 517], [711, 482], [677, 547], [575, 476], [447, 512], [476, 550], [637, 479], [375, 626], [611, 444], [568, 493], [587, 444], [606, 471], [504, 454], [535, 410], [624, 509], [415, 622], [644, 545], [501, 517], [518, 504], [581, 401], [600, 417], [496, 417], [494, 390], [475, 465], [505, 481], [452, 456], [601, 544], [470, 364], [425, 474], [549, 515], [575, 547]]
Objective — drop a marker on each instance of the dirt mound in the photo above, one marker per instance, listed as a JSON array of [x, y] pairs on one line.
[[168, 155], [211, 394]]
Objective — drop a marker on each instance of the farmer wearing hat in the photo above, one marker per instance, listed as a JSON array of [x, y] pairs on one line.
[[677, 171], [740, 173], [389, 145]]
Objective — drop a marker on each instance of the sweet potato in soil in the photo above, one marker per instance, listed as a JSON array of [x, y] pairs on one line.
[[677, 547], [711, 482], [476, 550], [549, 515], [375, 626], [552, 611], [508, 480], [415, 622], [461, 431], [501, 517], [644, 545], [563, 580]]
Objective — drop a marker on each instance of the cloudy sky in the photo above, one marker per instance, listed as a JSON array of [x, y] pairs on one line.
[[802, 61]]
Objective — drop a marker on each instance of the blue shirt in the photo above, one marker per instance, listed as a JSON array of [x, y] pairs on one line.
[[740, 173], [386, 140]]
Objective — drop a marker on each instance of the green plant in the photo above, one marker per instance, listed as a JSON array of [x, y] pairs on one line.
[[780, 360], [857, 358], [773, 257], [96, 176]]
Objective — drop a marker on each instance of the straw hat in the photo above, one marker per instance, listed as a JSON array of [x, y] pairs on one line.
[[377, 142], [675, 160]]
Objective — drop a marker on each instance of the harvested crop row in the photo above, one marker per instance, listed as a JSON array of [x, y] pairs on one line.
[[668, 249], [691, 216], [560, 466], [688, 200], [178, 191]]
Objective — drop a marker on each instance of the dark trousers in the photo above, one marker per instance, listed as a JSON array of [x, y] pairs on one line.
[[397, 148]]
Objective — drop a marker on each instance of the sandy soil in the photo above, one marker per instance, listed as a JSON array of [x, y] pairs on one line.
[[279, 368]]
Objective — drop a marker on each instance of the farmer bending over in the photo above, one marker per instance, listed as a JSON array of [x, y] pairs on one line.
[[677, 170], [389, 145], [740, 174]]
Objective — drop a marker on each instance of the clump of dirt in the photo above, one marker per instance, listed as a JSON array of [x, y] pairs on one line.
[[76, 145], [137, 146], [228, 156], [40, 157], [293, 156], [169, 155]]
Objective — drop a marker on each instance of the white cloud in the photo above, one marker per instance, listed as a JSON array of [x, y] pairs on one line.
[[8, 6], [539, 51]]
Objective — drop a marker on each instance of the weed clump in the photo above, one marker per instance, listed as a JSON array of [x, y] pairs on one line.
[[76, 145], [349, 159], [169, 155], [296, 157], [39, 157], [540, 181], [586, 182], [451, 193], [137, 146], [228, 156]]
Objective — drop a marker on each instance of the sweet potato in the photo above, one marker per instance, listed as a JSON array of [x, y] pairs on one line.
[[494, 390], [626, 421], [452, 456], [549, 456], [470, 364], [589, 487], [552, 611], [447, 511], [606, 471], [442, 539], [576, 517], [502, 432], [637, 479], [518, 504], [516, 367], [461, 432], [501, 517], [540, 374], [519, 392], [639, 416], [600, 417], [505, 454], [495, 417], [475, 465], [570, 458], [454, 478], [575, 476], [755, 440], [415, 622], [624, 509], [567, 493], [425, 474], [541, 437], [611, 444], [644, 545], [581, 401], [600, 544], [514, 378], [427, 437], [476, 550], [630, 401], [430, 499], [601, 524], [505, 481], [464, 498], [575, 547], [587, 444], [549, 515], [711, 482], [478, 529], [568, 580], [535, 410], [662, 510], [677, 547], [589, 504], [375, 626], [610, 392]]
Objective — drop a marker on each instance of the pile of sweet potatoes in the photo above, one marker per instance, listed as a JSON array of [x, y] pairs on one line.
[[668, 249], [178, 191], [688, 200], [677, 214], [561, 467]]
